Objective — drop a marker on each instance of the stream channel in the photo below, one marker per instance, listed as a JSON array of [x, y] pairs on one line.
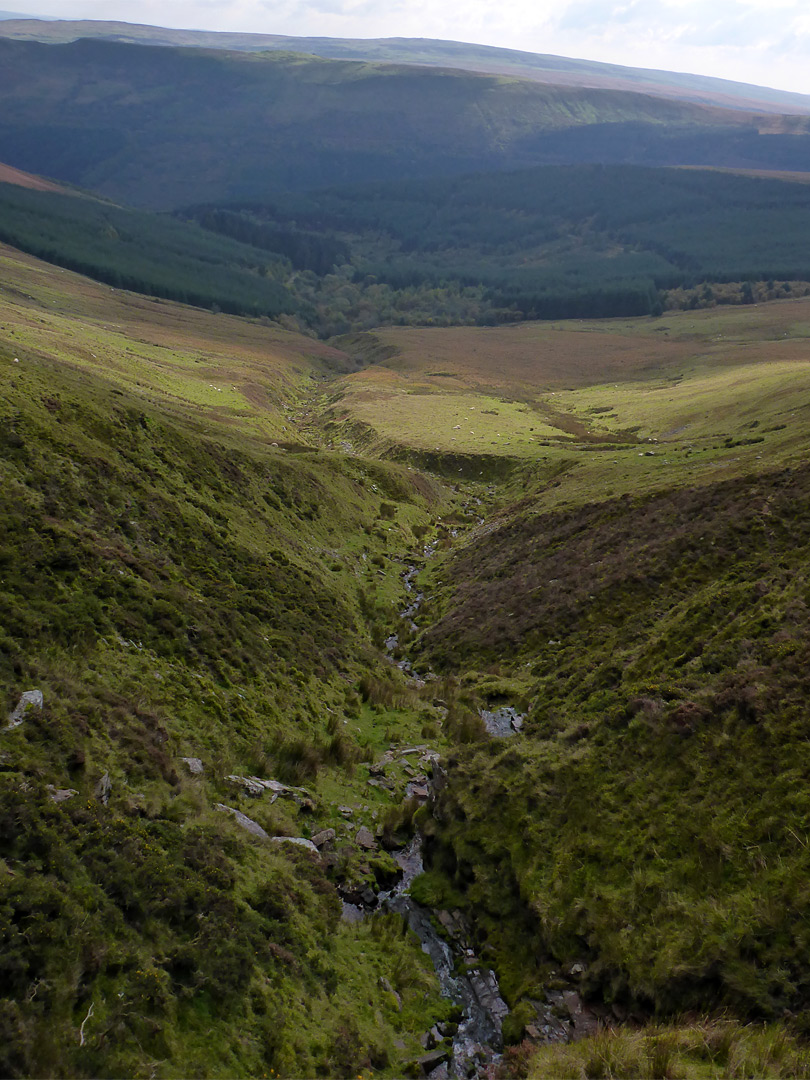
[[478, 1041], [472, 987]]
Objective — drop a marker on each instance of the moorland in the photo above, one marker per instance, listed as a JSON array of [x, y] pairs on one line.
[[457, 519]]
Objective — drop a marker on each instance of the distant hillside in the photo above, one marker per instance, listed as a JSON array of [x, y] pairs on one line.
[[576, 241], [550, 242], [165, 127], [131, 249], [558, 70]]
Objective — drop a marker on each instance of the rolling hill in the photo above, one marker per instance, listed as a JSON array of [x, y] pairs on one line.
[[556, 70], [162, 127]]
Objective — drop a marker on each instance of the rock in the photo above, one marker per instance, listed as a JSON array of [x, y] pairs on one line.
[[429, 1062], [486, 989], [301, 841], [352, 913], [31, 699], [365, 839], [103, 789], [325, 836], [252, 785], [383, 785], [369, 897], [194, 765], [448, 922], [61, 794], [255, 785], [584, 1019], [417, 791], [441, 1072], [252, 827], [346, 811], [502, 722]]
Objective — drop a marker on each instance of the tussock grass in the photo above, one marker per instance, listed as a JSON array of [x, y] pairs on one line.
[[709, 1049]]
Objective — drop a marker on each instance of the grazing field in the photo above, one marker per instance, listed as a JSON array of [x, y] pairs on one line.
[[631, 404]]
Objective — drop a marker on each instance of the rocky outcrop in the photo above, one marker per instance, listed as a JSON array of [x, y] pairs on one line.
[[502, 722], [103, 789], [325, 836], [365, 839], [253, 827], [194, 765], [256, 786], [301, 841], [60, 794], [31, 699]]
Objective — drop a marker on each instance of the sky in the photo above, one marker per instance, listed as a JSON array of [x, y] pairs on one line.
[[766, 42]]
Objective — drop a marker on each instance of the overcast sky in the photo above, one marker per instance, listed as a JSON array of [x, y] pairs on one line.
[[759, 41]]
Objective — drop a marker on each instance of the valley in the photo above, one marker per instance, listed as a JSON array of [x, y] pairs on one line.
[[212, 527], [404, 611]]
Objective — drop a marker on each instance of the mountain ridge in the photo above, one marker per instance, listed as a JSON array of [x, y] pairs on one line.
[[162, 127], [543, 67]]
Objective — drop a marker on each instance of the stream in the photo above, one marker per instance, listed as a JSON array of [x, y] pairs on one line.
[[474, 988], [467, 1051], [477, 1042]]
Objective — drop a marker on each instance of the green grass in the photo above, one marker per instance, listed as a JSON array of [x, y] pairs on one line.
[[179, 586], [708, 1050], [618, 408], [176, 585], [650, 820]]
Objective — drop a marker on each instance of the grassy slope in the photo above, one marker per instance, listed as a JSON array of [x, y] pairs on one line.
[[176, 584], [163, 127], [706, 1050], [650, 614]]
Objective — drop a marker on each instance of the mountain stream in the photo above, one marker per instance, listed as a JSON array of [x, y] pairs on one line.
[[474, 988]]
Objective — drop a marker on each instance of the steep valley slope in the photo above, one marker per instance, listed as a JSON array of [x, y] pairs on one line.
[[210, 529]]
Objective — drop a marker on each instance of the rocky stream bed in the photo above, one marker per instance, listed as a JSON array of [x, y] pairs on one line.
[[471, 1048]]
